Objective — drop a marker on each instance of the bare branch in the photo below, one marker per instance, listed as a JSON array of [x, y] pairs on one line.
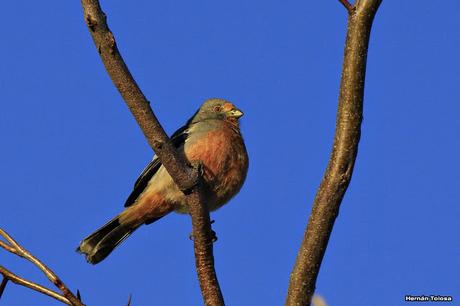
[[3, 285], [347, 5], [340, 167], [11, 241], [187, 178], [203, 238], [8, 275], [7, 247], [184, 176], [17, 249]]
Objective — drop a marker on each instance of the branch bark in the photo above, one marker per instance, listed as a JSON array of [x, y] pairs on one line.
[[12, 246], [341, 163], [186, 177]]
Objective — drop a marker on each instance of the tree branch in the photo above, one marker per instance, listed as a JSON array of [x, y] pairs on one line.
[[8, 275], [340, 167], [347, 5], [187, 178], [13, 247], [3, 285]]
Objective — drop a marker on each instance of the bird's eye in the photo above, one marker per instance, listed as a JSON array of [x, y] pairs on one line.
[[217, 109]]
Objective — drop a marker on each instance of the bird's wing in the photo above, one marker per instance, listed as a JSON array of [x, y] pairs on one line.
[[177, 139]]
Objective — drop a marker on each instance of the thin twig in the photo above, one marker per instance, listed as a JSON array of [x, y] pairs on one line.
[[7, 247], [10, 239], [187, 178], [8, 275], [340, 167], [3, 285], [347, 5], [17, 249]]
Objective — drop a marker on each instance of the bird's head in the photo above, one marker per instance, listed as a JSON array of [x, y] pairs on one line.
[[219, 109]]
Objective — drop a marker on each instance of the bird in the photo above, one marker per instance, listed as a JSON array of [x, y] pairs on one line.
[[212, 138]]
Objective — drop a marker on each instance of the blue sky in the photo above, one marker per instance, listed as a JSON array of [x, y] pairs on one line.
[[71, 151]]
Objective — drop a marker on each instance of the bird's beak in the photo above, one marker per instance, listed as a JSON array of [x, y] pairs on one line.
[[236, 113]]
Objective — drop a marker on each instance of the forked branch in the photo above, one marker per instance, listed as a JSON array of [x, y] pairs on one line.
[[341, 163], [187, 178], [67, 297], [347, 5]]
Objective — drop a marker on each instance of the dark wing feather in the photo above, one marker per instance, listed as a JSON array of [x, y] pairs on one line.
[[177, 139], [179, 136], [143, 181]]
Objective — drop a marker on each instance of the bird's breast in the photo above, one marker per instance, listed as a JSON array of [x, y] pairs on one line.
[[225, 162]]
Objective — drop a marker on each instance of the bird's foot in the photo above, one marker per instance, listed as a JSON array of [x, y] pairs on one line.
[[213, 234]]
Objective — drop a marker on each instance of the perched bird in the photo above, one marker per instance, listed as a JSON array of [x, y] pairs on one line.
[[213, 138]]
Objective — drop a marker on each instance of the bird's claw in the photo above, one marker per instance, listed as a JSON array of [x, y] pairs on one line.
[[213, 235], [198, 165]]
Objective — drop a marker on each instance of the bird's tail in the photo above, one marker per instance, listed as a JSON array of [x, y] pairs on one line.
[[102, 242]]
